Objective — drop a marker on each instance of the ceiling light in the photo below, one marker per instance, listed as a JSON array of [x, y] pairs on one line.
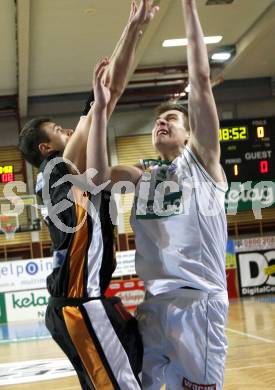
[[184, 41], [222, 56]]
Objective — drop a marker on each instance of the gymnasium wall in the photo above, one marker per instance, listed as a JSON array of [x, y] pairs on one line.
[[235, 99], [8, 132]]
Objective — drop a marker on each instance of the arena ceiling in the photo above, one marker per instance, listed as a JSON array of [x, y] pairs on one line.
[[48, 47]]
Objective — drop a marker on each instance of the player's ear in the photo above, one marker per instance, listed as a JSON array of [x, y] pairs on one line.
[[44, 148]]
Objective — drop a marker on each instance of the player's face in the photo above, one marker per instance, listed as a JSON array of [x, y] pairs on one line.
[[58, 137], [170, 131]]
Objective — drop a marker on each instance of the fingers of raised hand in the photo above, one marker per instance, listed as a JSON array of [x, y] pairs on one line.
[[100, 68], [133, 8]]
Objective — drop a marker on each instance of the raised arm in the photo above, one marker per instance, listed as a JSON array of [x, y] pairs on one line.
[[203, 116], [115, 77], [123, 56], [97, 157]]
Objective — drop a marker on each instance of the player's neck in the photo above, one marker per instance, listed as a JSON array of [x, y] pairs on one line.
[[170, 155]]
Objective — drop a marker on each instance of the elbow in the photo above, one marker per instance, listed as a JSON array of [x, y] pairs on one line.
[[201, 79], [203, 75]]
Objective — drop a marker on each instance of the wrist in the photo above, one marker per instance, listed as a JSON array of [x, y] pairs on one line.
[[134, 26]]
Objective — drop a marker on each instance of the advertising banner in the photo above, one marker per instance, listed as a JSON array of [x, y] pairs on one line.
[[26, 305], [250, 195], [231, 270], [21, 275], [230, 255], [131, 292], [3, 314], [255, 243], [232, 283], [256, 272], [125, 263]]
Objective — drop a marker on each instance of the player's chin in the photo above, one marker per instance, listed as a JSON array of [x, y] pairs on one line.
[[163, 140], [160, 145]]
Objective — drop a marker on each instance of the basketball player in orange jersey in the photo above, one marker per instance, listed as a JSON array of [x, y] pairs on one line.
[[97, 334]]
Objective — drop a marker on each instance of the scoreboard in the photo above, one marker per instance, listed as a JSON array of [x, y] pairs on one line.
[[6, 173], [248, 149]]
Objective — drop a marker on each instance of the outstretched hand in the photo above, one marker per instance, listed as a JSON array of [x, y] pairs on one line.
[[102, 93], [143, 13]]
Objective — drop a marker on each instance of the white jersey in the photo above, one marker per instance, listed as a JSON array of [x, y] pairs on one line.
[[180, 232]]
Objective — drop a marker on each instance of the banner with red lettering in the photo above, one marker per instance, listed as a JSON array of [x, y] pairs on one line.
[[130, 291]]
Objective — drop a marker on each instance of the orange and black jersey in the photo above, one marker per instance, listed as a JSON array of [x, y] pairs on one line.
[[83, 259]]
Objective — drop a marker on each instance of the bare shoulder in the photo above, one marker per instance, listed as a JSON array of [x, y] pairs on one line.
[[210, 161]]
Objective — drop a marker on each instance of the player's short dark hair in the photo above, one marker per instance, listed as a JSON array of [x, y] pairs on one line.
[[30, 137], [171, 105]]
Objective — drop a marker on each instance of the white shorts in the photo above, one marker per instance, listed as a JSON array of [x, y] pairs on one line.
[[184, 340]]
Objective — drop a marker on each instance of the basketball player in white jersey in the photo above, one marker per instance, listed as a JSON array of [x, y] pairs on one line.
[[180, 227]]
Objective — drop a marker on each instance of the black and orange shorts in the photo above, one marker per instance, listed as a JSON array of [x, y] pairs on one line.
[[101, 340]]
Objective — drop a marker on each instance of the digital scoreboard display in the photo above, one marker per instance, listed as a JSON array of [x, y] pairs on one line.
[[6, 173], [234, 133], [248, 149]]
